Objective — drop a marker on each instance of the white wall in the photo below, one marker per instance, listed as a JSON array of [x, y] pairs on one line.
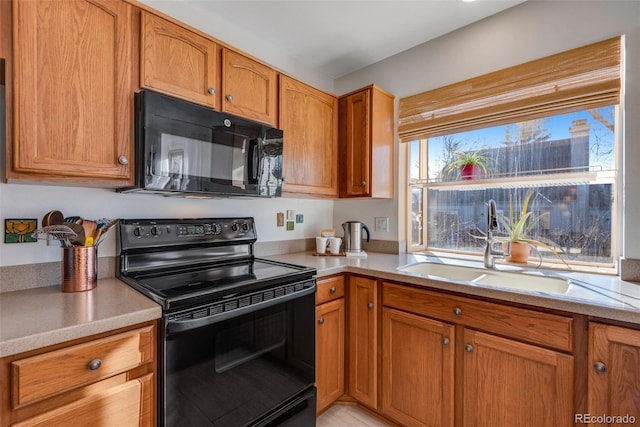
[[32, 201], [525, 32]]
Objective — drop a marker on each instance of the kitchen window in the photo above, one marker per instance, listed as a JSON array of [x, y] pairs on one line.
[[542, 136]]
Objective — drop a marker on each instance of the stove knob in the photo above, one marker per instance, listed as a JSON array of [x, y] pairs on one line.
[[216, 229], [245, 227], [137, 231], [234, 227], [156, 231]]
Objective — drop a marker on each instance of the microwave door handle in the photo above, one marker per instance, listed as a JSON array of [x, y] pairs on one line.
[[253, 161]]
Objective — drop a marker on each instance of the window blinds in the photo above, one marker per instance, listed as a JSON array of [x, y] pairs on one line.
[[578, 79]]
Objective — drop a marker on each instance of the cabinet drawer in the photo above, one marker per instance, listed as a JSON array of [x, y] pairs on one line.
[[329, 289], [527, 325], [55, 372], [127, 404]]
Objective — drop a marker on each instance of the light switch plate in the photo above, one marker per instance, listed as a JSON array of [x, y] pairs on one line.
[[280, 219], [382, 224]]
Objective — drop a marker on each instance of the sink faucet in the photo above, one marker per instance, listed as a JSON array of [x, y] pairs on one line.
[[492, 225]]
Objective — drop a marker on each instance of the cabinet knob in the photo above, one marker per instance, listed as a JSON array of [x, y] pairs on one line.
[[212, 91], [370, 305], [229, 98], [123, 160], [600, 367], [445, 341], [457, 311], [468, 348], [321, 320], [94, 365], [363, 183], [332, 290]]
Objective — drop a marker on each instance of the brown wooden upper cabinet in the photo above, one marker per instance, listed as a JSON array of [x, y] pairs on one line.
[[177, 61], [72, 91], [249, 88], [309, 120], [366, 143]]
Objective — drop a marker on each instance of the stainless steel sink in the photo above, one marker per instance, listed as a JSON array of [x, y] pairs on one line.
[[503, 279]]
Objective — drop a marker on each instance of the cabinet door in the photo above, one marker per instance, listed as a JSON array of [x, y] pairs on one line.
[[330, 352], [177, 61], [614, 371], [127, 404], [249, 89], [73, 91], [417, 369], [366, 120], [363, 340], [309, 119], [507, 383], [355, 150]]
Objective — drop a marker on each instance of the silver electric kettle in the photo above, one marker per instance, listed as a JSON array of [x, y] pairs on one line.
[[353, 235]]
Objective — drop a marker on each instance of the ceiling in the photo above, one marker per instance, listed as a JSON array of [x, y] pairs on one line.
[[339, 37]]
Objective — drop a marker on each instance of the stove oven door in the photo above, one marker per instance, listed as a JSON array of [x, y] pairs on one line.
[[254, 369]]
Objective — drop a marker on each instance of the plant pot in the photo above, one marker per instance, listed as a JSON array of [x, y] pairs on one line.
[[519, 253], [470, 171]]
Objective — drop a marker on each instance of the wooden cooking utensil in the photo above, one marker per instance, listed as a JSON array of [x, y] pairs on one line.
[[52, 218], [79, 240], [89, 230]]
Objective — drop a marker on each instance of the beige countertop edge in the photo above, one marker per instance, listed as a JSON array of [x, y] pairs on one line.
[[64, 317], [113, 304], [613, 306]]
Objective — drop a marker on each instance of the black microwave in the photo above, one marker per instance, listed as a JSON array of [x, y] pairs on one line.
[[185, 149]]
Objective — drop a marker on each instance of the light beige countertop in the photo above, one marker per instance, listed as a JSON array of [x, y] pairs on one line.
[[38, 317], [596, 295]]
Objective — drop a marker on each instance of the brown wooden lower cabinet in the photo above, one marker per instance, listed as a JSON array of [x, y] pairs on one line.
[[363, 340], [330, 340], [499, 381], [509, 383], [450, 360], [614, 375], [106, 381], [418, 369]]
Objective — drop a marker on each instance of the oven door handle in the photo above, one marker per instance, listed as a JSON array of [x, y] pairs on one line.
[[176, 326]]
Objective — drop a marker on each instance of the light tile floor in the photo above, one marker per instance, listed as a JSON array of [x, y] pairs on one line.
[[348, 416]]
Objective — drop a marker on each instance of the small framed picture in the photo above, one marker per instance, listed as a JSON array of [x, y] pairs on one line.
[[20, 230]]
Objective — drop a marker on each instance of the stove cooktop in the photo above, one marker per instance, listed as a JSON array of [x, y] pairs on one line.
[[181, 263], [197, 285]]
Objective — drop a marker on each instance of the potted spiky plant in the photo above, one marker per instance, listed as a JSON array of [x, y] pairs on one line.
[[517, 229], [468, 164]]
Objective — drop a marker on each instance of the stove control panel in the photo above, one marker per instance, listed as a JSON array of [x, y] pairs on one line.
[[143, 233]]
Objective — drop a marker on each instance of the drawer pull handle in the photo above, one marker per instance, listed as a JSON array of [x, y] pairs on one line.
[[321, 320], [445, 341], [468, 348], [332, 290], [370, 305], [94, 365], [457, 311], [600, 367], [212, 91]]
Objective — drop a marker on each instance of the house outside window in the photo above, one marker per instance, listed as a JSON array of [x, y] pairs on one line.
[[566, 163]]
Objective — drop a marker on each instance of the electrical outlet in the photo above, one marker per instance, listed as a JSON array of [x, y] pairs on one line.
[[382, 224], [280, 219]]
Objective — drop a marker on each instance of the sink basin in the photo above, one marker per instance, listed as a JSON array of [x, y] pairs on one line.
[[502, 279], [527, 282], [445, 271]]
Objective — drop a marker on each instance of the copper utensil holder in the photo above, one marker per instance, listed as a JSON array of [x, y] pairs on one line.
[[79, 268]]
